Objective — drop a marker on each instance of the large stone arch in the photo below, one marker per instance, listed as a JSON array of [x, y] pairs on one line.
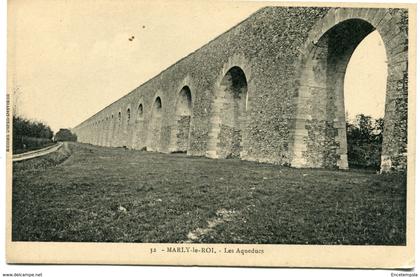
[[101, 132], [118, 128], [108, 130], [111, 129], [140, 128], [319, 135], [96, 142], [155, 124], [229, 117], [98, 132], [127, 126], [182, 122]]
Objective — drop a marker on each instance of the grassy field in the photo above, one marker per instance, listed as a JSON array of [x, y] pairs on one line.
[[95, 194]]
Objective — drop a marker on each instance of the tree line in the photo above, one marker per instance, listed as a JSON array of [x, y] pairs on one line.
[[25, 127], [29, 135]]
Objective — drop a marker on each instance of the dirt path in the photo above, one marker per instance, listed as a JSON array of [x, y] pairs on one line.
[[37, 153]]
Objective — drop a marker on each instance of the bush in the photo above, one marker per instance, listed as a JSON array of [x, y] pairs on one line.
[[364, 140]]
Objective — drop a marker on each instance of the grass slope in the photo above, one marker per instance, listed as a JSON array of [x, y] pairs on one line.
[[108, 194]]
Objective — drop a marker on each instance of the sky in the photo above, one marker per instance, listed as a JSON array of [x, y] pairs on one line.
[[365, 78], [72, 58]]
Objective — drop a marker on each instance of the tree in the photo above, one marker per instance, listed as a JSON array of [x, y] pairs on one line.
[[65, 135], [364, 140]]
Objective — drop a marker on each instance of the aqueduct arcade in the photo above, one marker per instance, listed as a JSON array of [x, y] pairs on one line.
[[271, 89]]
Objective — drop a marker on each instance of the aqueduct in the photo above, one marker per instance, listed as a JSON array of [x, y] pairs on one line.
[[270, 90]]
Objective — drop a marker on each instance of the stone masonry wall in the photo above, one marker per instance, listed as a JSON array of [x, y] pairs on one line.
[[288, 118]]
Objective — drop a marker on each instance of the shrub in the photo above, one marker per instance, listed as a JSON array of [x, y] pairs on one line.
[[364, 140]]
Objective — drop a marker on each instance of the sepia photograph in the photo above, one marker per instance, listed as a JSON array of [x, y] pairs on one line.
[[211, 133]]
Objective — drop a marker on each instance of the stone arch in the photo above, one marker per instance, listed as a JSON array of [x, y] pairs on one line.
[[128, 119], [94, 137], [229, 115], [92, 134], [140, 112], [237, 60], [139, 131], [319, 135], [128, 116], [118, 128], [97, 132], [96, 142], [101, 132], [111, 130], [183, 112], [106, 139], [155, 128]]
